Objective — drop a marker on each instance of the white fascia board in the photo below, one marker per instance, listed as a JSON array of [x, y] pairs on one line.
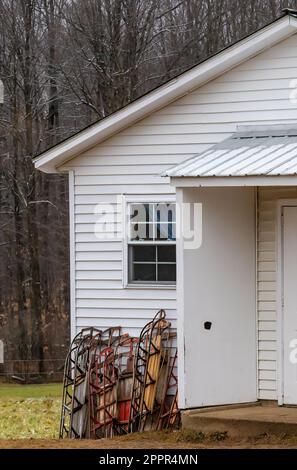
[[73, 319], [50, 160], [235, 181]]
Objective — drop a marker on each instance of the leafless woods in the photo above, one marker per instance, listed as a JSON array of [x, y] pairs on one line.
[[65, 64]]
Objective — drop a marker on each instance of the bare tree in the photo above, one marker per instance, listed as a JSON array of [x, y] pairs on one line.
[[64, 64]]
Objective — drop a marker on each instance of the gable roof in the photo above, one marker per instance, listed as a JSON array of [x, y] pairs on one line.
[[221, 62], [252, 151]]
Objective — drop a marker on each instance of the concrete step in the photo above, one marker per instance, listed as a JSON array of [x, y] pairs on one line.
[[243, 421]]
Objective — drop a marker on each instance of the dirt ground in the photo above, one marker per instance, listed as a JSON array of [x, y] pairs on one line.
[[156, 440], [29, 419]]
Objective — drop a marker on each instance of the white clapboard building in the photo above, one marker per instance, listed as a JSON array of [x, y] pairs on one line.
[[221, 138]]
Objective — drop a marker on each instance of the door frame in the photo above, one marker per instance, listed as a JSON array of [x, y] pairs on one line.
[[281, 203]]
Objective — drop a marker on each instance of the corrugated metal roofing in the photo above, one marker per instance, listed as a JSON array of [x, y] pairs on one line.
[[270, 152]]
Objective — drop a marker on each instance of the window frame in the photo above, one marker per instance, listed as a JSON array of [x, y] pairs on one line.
[[136, 199]]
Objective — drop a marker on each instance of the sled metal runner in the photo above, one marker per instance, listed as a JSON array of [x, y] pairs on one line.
[[73, 413], [146, 371], [116, 384], [125, 355], [169, 416], [103, 374]]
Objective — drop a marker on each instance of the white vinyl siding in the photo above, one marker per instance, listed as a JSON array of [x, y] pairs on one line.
[[267, 259], [255, 92]]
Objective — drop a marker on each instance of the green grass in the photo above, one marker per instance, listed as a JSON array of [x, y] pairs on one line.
[[29, 411], [14, 392]]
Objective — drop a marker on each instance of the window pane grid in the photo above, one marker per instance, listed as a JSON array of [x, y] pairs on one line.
[[145, 264], [151, 262], [151, 242]]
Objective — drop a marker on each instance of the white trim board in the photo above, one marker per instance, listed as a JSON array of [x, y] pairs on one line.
[[180, 306], [130, 199], [72, 255], [229, 181], [281, 203], [256, 207], [50, 160]]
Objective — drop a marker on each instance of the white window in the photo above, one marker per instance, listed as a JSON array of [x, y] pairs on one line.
[[151, 243]]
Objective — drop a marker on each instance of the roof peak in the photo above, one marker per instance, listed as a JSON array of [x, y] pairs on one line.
[[52, 159]]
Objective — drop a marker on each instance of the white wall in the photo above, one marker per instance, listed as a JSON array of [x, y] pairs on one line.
[[255, 92], [100, 298], [219, 286], [267, 294]]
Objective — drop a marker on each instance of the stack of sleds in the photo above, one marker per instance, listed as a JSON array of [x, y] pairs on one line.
[[116, 384]]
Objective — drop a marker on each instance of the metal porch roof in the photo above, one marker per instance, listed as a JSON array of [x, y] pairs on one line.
[[253, 152]]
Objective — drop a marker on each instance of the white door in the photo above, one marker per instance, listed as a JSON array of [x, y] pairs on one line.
[[219, 301], [290, 305]]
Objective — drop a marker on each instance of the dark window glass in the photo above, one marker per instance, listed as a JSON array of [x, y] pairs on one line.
[[166, 253], [144, 272], [144, 253], [167, 272]]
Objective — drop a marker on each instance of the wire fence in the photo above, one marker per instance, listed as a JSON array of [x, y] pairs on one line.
[[32, 370]]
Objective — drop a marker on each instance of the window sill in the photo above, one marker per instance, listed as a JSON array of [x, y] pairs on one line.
[[151, 286]]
